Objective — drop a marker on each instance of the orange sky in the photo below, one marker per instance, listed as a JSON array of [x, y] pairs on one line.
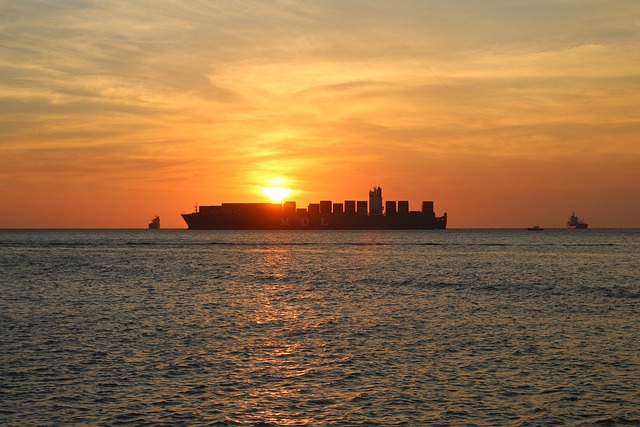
[[505, 113]]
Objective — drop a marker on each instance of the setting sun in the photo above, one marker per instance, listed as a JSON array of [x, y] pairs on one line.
[[483, 113], [276, 193]]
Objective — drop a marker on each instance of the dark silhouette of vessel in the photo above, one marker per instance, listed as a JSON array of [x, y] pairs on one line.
[[575, 222], [155, 223], [326, 215]]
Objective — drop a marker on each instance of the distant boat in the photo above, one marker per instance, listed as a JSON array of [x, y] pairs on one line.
[[575, 222], [155, 223], [535, 228]]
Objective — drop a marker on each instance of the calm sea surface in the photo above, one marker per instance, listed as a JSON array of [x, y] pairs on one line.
[[455, 327]]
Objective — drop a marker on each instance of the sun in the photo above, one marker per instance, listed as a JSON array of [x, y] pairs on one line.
[[276, 194], [275, 188]]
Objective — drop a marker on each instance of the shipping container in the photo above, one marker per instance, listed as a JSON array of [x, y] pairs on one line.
[[362, 207], [390, 207], [289, 208], [314, 208], [325, 206], [349, 207]]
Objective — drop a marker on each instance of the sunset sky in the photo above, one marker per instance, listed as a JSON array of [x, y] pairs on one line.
[[506, 113]]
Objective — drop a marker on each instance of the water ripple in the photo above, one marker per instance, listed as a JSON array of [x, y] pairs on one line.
[[463, 328]]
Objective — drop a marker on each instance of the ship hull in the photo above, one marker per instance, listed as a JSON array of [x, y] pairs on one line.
[[410, 221], [579, 226]]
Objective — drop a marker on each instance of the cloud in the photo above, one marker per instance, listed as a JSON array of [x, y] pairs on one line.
[[235, 91]]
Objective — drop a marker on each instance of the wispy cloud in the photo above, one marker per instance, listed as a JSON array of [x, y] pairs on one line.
[[236, 91]]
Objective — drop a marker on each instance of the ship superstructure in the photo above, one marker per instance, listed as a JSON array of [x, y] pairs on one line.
[[325, 215], [575, 222]]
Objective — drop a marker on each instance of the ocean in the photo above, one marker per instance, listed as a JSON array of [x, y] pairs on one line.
[[320, 328]]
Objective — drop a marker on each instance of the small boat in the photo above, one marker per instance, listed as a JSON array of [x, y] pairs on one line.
[[535, 228], [575, 222], [155, 223]]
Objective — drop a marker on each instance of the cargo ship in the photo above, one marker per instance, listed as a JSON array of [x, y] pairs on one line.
[[325, 215], [575, 222]]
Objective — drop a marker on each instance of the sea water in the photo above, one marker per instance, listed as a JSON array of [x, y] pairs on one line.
[[455, 327]]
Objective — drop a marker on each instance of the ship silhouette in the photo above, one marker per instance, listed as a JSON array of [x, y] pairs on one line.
[[325, 215], [575, 222]]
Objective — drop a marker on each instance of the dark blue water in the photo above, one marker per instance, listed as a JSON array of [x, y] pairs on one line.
[[456, 327]]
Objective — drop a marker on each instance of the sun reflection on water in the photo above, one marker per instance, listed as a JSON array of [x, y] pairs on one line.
[[275, 356]]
